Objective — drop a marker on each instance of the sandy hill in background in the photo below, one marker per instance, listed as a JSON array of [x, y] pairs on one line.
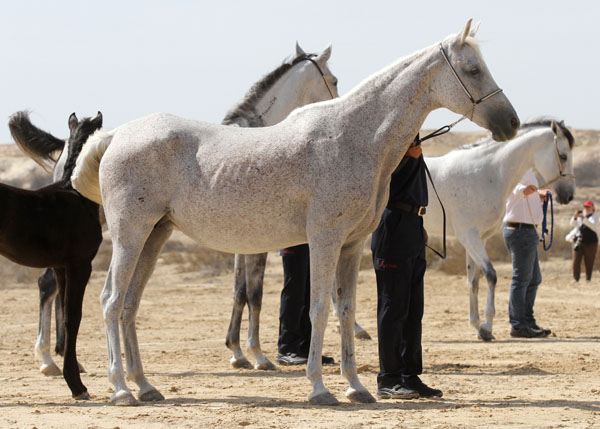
[[18, 170]]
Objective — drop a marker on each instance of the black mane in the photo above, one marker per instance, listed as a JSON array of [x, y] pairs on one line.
[[83, 131]]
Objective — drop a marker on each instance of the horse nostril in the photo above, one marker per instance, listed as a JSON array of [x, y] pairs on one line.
[[514, 122]]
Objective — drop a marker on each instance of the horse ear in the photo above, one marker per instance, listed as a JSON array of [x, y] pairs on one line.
[[324, 56], [554, 127], [466, 31], [73, 121], [299, 50], [98, 120], [475, 29]]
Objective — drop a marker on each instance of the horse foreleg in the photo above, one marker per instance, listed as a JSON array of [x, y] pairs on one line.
[[255, 272], [346, 278], [478, 262], [48, 291], [143, 270], [77, 277], [323, 262], [240, 298]]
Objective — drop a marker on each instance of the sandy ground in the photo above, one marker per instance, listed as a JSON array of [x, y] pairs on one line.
[[553, 382]]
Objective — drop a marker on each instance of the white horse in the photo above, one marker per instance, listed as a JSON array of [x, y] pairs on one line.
[[303, 79], [474, 182], [320, 176]]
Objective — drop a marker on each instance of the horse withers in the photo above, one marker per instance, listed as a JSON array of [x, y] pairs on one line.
[[321, 176], [56, 227]]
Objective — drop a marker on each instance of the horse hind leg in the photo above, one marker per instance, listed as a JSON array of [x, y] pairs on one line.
[[143, 270], [360, 333], [490, 307], [48, 291], [240, 298], [255, 272]]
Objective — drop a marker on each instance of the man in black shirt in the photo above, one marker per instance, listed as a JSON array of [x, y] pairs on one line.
[[398, 246]]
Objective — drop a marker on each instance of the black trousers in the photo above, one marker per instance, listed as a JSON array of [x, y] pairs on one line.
[[398, 246], [294, 319]]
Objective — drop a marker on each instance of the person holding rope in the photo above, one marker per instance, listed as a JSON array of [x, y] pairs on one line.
[[398, 246], [585, 239], [523, 215]]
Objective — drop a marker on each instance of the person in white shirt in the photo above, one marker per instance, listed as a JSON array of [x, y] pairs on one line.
[[585, 239], [523, 215]]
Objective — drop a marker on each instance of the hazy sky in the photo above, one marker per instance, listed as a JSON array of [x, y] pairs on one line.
[[196, 59]]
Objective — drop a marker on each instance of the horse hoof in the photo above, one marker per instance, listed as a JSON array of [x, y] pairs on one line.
[[360, 396], [84, 396], [362, 335], [240, 363], [124, 398], [324, 398], [265, 366], [151, 395], [485, 335], [50, 370]]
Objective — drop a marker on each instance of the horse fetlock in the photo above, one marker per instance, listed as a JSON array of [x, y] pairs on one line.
[[50, 369]]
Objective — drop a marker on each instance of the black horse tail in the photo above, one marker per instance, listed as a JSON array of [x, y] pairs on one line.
[[37, 144]]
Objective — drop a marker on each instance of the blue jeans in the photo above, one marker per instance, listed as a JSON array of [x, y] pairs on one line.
[[523, 246]]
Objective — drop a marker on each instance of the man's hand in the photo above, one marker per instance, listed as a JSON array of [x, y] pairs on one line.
[[414, 151], [530, 189], [543, 193]]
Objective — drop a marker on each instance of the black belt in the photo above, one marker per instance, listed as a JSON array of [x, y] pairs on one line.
[[409, 208], [519, 225]]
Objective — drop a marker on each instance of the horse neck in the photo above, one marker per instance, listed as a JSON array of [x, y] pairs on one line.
[[283, 97], [388, 109], [512, 160]]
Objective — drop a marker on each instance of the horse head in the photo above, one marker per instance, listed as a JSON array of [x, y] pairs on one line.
[[554, 162], [315, 81], [467, 87]]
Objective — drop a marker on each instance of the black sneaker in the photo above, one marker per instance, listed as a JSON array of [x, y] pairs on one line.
[[413, 382], [396, 392], [296, 359], [546, 332], [527, 332]]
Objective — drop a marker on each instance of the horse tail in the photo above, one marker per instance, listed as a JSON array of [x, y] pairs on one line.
[[85, 178], [37, 144]]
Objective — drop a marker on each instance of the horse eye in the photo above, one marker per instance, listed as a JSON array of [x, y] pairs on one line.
[[563, 157], [474, 71], [335, 82]]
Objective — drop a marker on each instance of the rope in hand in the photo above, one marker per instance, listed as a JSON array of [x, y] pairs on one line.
[[544, 221]]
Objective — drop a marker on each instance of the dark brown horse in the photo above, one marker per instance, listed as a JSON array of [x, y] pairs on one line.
[[58, 228]]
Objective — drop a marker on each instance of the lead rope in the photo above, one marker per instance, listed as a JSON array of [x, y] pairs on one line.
[[544, 221], [443, 256]]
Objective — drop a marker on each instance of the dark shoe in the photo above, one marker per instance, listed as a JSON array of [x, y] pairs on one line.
[[296, 359], [291, 359], [546, 332], [414, 383], [396, 392], [526, 333]]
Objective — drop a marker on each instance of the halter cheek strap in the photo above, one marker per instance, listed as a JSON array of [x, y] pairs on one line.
[[310, 58], [560, 165]]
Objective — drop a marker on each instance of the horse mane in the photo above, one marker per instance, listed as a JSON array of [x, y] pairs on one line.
[[531, 124], [37, 144], [83, 131], [244, 113]]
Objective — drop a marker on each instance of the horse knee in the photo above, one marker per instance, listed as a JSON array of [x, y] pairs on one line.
[[490, 275]]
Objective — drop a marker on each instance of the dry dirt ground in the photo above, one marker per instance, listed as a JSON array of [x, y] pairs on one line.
[[182, 322], [553, 382]]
